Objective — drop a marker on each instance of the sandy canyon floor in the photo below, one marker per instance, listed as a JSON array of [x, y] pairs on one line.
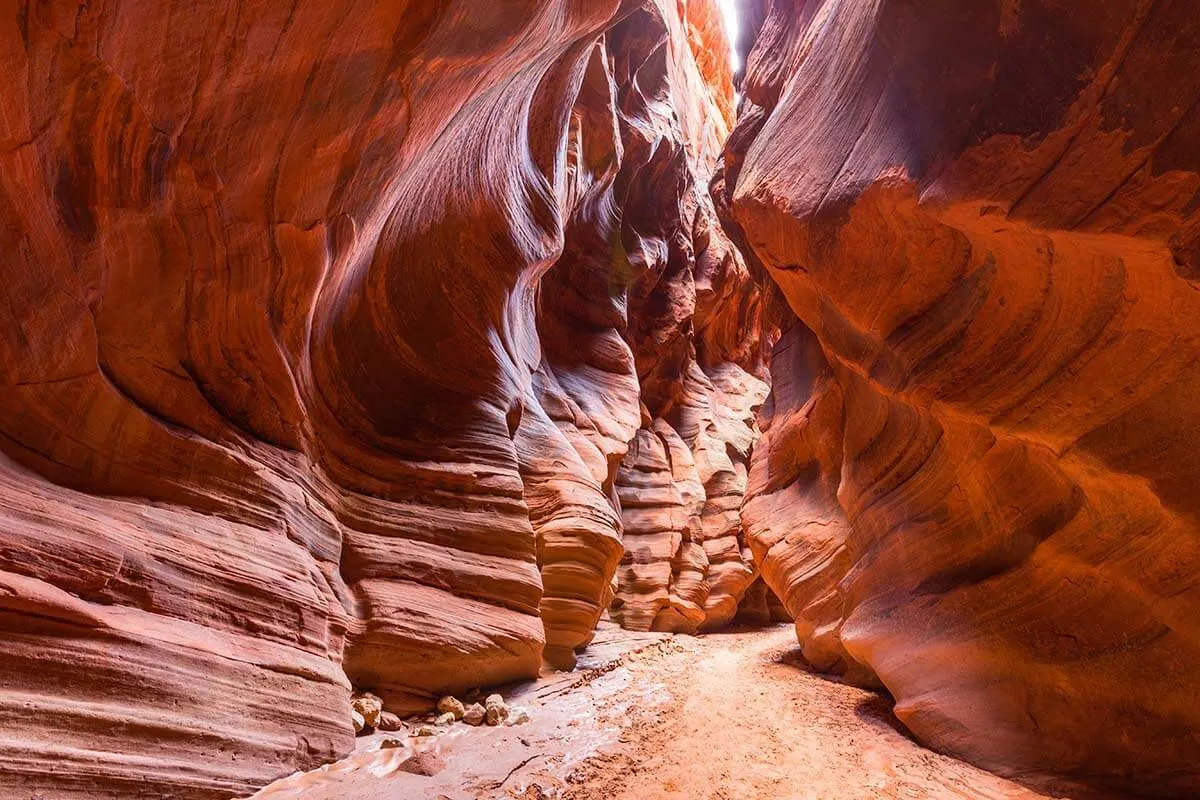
[[727, 716]]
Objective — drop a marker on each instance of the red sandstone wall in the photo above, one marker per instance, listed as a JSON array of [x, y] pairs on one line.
[[326, 327], [977, 483], [698, 335]]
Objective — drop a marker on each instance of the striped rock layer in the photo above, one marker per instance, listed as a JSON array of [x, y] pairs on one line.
[[325, 329], [977, 482]]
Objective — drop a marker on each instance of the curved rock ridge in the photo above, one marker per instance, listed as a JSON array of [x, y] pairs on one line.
[[326, 329], [647, 284], [698, 337], [976, 483]]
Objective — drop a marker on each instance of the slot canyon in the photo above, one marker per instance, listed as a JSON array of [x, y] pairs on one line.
[[765, 398]]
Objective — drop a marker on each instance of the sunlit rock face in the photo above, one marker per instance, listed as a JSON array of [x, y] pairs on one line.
[[977, 483], [326, 329]]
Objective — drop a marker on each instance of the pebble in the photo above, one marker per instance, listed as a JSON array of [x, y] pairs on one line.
[[495, 709], [451, 705], [475, 714]]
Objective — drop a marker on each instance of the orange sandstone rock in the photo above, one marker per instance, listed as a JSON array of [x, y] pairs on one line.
[[319, 355], [976, 484]]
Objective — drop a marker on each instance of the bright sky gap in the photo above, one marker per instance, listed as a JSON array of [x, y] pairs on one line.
[[729, 12]]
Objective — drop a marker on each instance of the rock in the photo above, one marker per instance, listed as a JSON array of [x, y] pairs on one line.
[[495, 709], [681, 481], [517, 715], [389, 722], [451, 705], [445, 719], [392, 743], [425, 730], [206, 343], [426, 762], [475, 714], [369, 707], [357, 720], [977, 480]]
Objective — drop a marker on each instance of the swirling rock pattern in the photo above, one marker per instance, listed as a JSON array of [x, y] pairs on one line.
[[977, 479], [698, 335], [326, 327]]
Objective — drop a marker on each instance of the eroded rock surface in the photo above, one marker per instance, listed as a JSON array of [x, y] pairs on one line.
[[381, 347], [692, 320], [651, 327], [325, 329], [977, 482]]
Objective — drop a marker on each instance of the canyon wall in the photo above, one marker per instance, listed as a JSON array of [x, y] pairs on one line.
[[326, 332], [977, 482], [387, 345]]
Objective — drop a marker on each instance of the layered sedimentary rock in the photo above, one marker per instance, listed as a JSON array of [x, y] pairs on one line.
[[325, 329], [698, 337], [977, 479]]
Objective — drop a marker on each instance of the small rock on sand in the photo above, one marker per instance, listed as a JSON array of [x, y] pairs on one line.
[[495, 709], [475, 714], [390, 722], [451, 705], [423, 763]]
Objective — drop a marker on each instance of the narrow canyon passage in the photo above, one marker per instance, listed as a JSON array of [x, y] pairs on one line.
[[359, 358]]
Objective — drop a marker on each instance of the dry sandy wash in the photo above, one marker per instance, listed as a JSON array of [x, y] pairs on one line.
[[728, 716], [386, 345], [745, 717]]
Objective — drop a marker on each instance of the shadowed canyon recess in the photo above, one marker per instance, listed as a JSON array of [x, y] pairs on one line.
[[389, 346]]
